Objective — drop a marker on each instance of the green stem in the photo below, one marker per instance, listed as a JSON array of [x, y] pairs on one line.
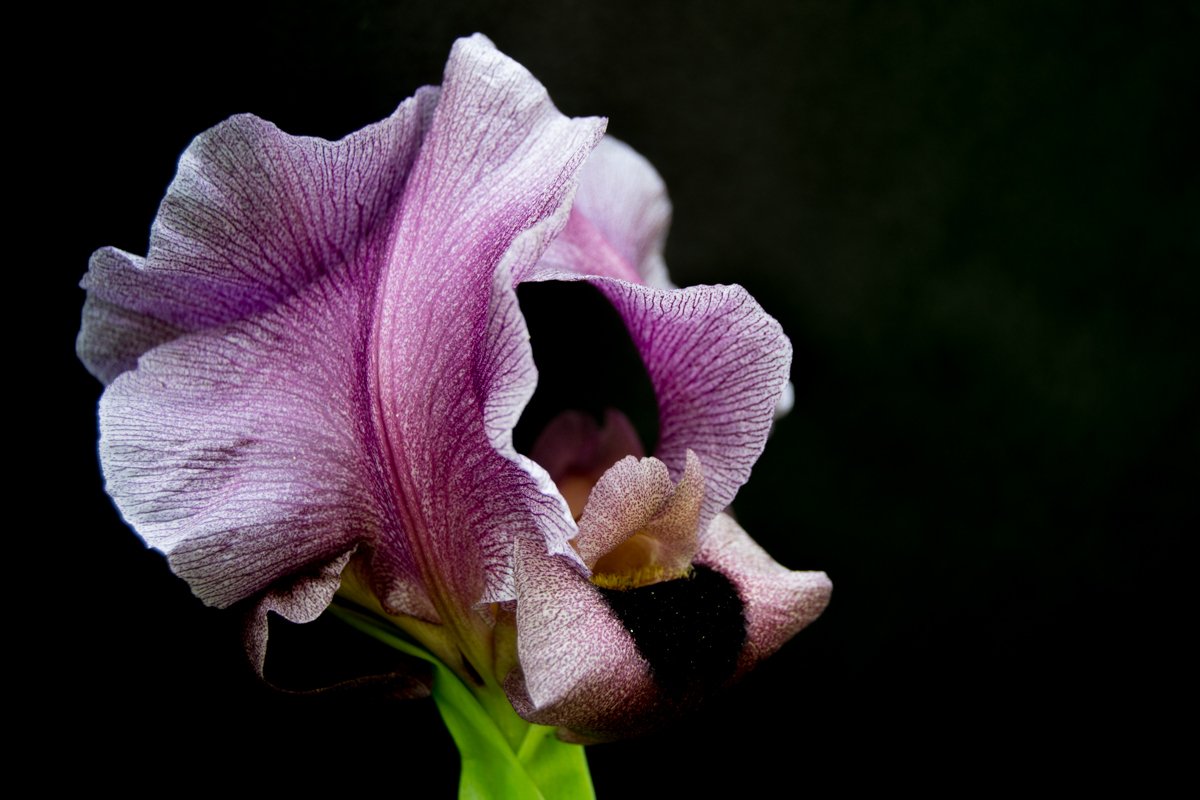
[[503, 756]]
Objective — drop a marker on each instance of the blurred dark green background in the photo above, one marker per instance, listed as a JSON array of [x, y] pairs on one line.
[[976, 221]]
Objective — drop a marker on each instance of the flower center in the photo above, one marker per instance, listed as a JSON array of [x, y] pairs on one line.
[[635, 562], [637, 527]]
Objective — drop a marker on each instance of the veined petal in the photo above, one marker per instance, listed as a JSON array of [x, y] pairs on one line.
[[252, 217], [301, 599], [361, 393], [718, 362], [242, 448], [246, 454], [604, 664], [579, 667], [776, 601], [618, 223], [451, 363], [319, 365]]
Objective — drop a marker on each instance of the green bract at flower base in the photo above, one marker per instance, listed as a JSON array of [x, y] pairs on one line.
[[502, 754], [313, 379]]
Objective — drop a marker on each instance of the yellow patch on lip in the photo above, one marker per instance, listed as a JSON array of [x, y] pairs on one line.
[[643, 576], [635, 563]]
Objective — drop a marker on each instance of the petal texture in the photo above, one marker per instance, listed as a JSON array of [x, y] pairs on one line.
[[319, 364], [580, 668], [252, 217], [618, 223], [247, 454], [636, 507], [340, 356], [718, 363], [604, 664], [452, 365], [777, 602]]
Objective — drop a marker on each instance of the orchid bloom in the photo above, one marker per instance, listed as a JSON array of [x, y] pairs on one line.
[[314, 375]]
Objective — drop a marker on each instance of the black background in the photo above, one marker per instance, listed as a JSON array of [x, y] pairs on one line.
[[978, 225]]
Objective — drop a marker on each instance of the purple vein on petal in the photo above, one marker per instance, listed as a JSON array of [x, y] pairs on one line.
[[451, 364]]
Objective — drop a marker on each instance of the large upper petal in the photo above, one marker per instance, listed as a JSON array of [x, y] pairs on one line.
[[452, 366], [252, 217], [356, 390]]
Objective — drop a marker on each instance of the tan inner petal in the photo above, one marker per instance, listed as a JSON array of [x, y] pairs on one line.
[[633, 563]]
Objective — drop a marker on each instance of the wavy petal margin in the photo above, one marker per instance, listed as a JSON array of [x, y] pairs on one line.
[[331, 352]]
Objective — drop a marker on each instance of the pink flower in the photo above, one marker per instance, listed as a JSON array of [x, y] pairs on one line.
[[314, 374]]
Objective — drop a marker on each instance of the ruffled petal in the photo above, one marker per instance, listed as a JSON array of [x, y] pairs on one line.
[[619, 221], [776, 602], [247, 453], [630, 494], [112, 336], [301, 599], [366, 394], [603, 664], [252, 217], [452, 366], [244, 450], [718, 364]]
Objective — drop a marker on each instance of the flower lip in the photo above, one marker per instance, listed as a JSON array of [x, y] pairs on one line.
[[634, 563], [638, 526]]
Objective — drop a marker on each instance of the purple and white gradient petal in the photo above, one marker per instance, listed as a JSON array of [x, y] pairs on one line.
[[316, 370]]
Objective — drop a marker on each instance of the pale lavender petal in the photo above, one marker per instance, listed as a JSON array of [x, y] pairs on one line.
[[370, 404], [579, 667], [302, 598], [718, 364], [246, 454], [676, 527], [252, 217], [451, 365], [113, 336], [583, 668], [618, 223], [777, 602]]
